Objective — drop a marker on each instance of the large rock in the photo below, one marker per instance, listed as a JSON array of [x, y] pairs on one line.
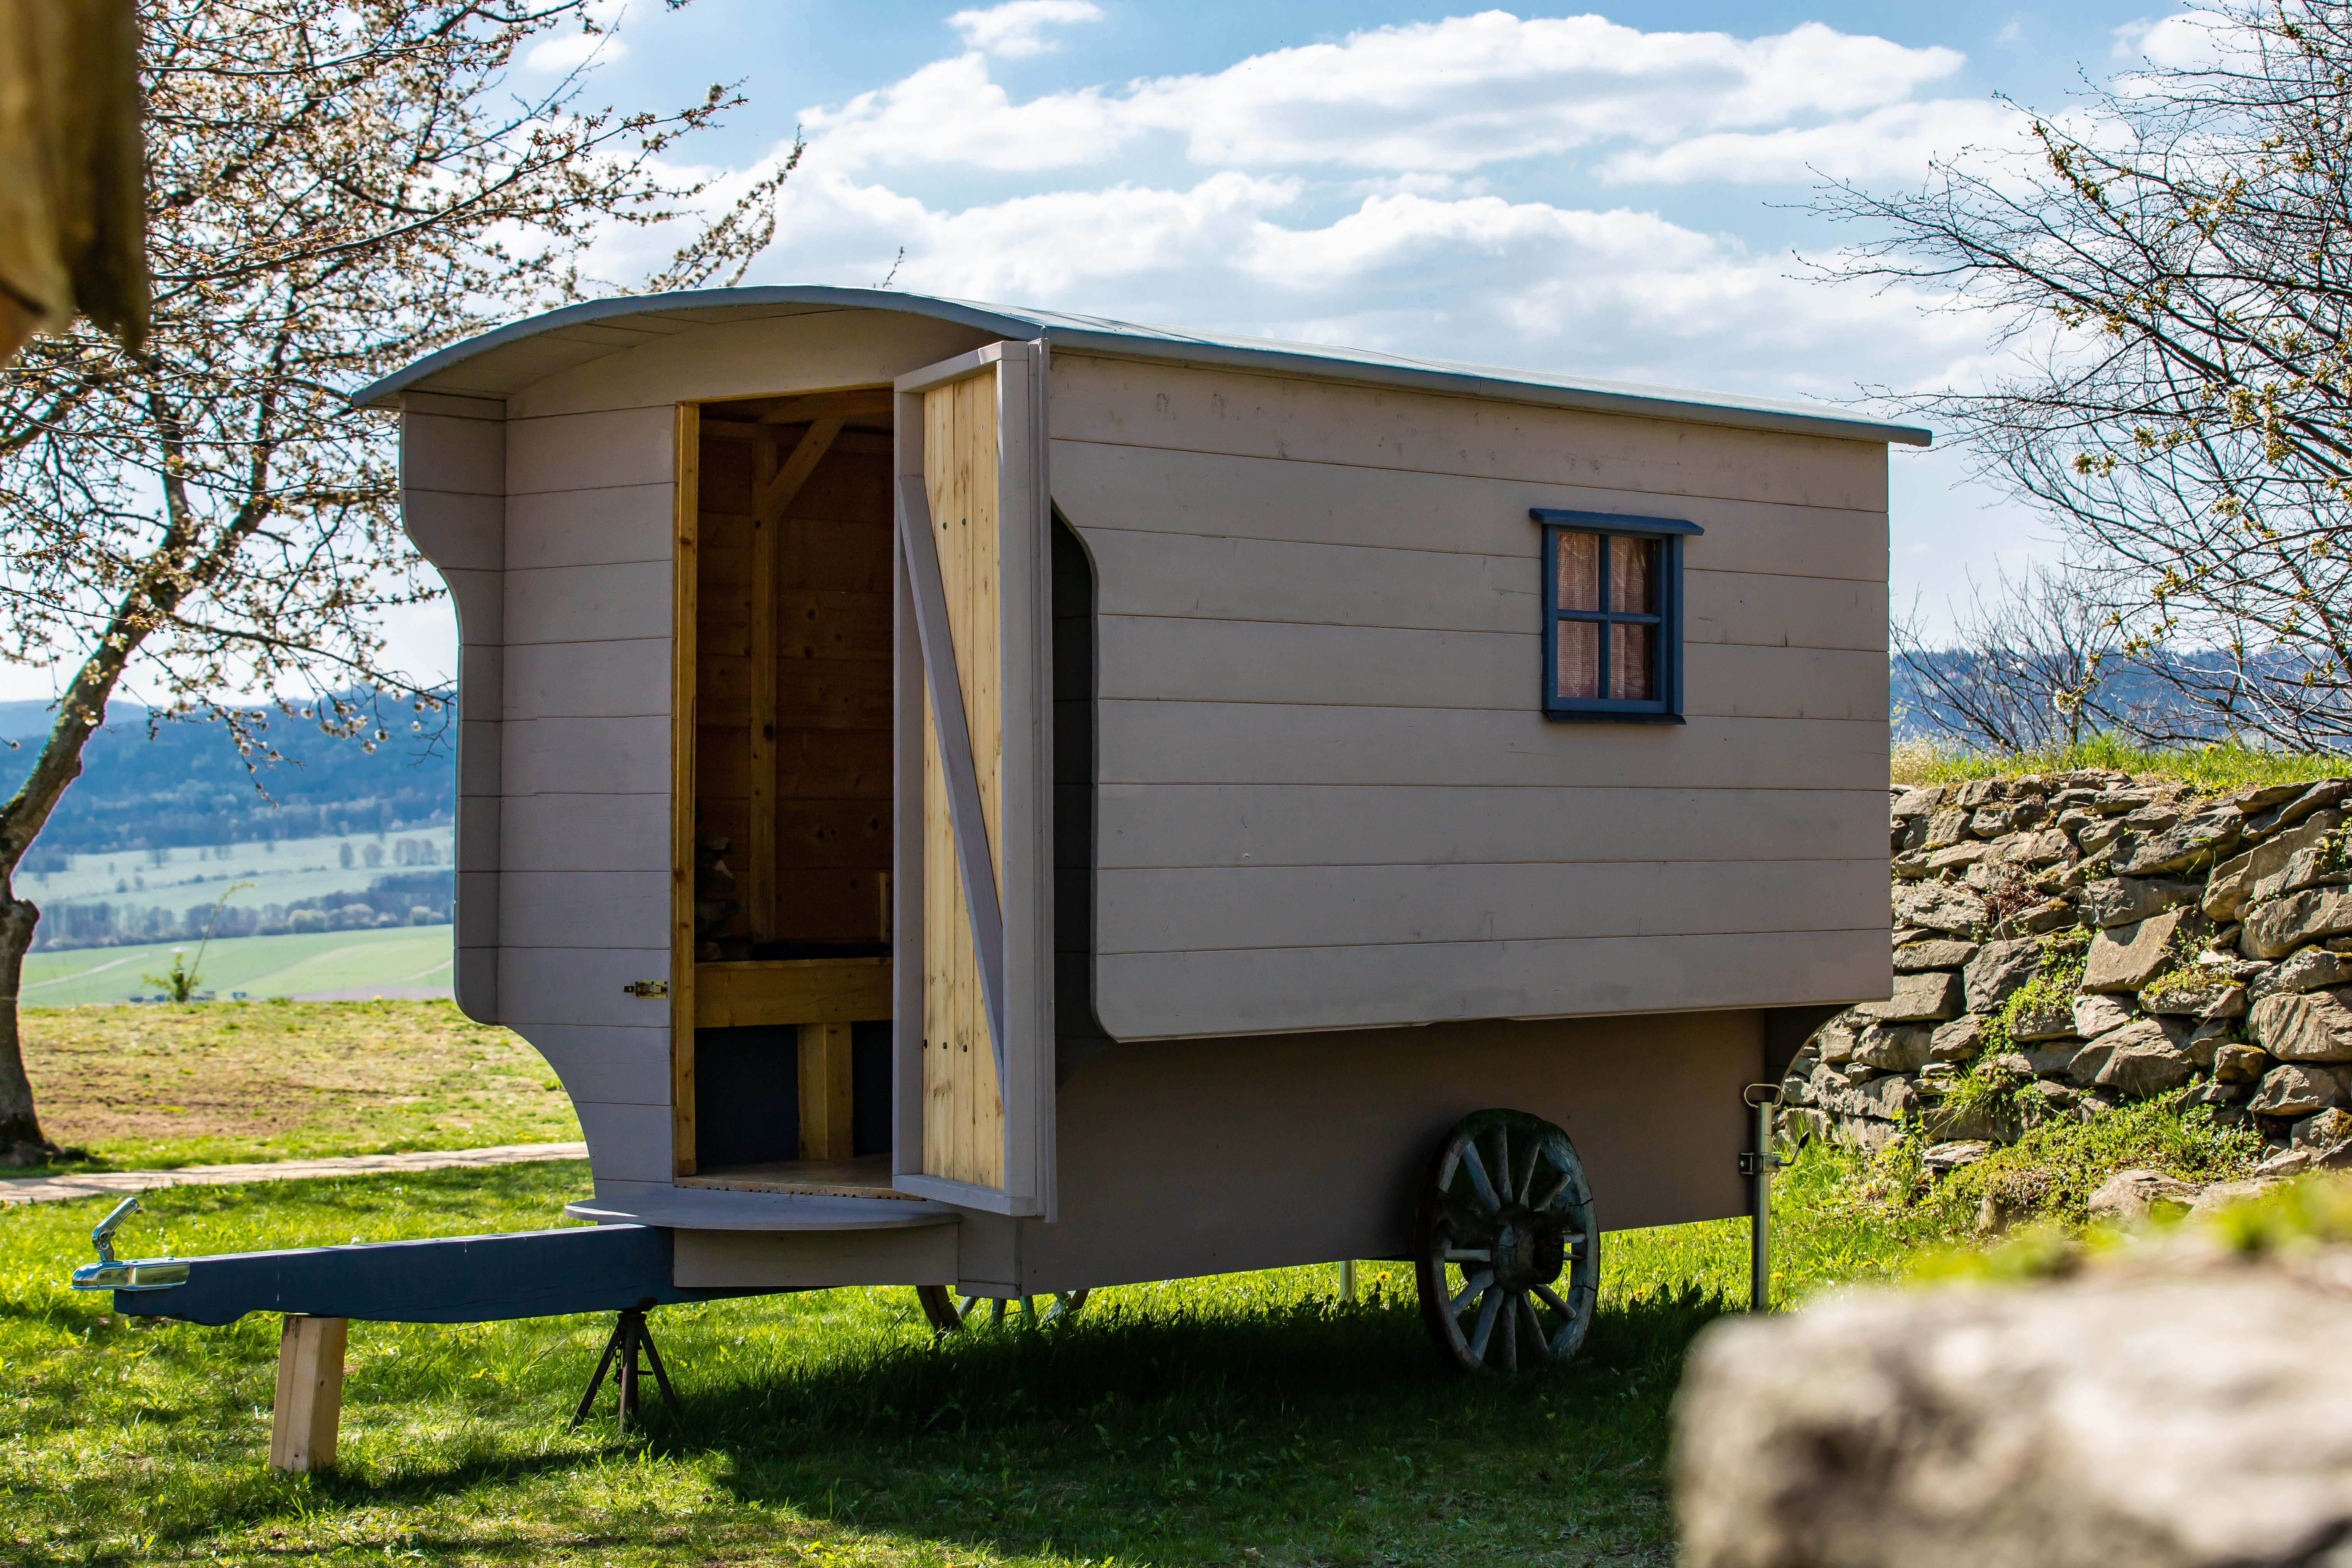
[[2120, 901], [2295, 860], [2299, 1090], [2127, 957], [1939, 906], [2042, 1018], [2047, 847], [2177, 1413], [1944, 828], [2326, 792], [1999, 969], [2202, 838], [2129, 1196], [2195, 992], [2226, 889], [2327, 1130], [1937, 952], [2275, 929], [1916, 803], [2095, 1016], [1837, 1039], [2313, 969], [2141, 1061], [1891, 1097], [2050, 1058], [2236, 1063], [1893, 1049], [1957, 1041], [2090, 1059], [1932, 993], [2304, 1026]]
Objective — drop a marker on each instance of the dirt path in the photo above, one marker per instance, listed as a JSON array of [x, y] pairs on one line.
[[54, 1189]]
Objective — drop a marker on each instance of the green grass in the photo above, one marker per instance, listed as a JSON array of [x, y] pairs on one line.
[[162, 1086], [260, 966], [2215, 768], [1193, 1422]]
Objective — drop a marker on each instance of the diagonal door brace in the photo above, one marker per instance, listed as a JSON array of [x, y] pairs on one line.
[[972, 856]]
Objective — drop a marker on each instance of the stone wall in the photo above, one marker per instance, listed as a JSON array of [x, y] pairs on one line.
[[2067, 943]]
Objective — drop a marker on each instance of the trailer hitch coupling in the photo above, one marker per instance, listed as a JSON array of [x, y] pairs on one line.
[[111, 1273]]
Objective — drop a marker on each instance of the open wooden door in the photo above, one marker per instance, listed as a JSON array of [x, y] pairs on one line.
[[973, 885]]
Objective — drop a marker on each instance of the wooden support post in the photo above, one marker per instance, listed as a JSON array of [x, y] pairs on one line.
[[825, 1132], [684, 606], [310, 1405], [756, 876]]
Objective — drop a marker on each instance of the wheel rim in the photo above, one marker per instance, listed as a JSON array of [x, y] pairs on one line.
[[1506, 1250], [949, 1313]]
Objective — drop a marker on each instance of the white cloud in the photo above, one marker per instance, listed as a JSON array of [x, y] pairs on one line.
[[1614, 293], [1896, 142], [1449, 95], [568, 50], [1017, 26], [2009, 35], [2181, 42]]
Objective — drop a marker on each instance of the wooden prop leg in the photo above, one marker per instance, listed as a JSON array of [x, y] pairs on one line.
[[309, 1404]]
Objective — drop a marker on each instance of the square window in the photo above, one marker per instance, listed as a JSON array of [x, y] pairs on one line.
[[1612, 616]]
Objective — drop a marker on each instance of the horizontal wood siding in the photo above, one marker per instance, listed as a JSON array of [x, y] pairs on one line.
[[1165, 910], [1266, 989], [1328, 797], [453, 504], [1130, 402], [585, 763]]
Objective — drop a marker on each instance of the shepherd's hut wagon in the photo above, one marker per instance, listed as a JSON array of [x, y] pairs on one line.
[[1009, 801]]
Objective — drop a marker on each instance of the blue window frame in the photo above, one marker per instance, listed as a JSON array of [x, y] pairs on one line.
[[1612, 642]]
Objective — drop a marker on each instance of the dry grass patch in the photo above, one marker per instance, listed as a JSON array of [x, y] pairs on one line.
[[160, 1086]]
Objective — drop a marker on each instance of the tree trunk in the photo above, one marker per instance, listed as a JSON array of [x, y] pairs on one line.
[[22, 1142], [80, 711]]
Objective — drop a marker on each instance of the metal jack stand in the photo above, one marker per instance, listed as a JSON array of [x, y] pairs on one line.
[[1758, 1165], [628, 1335]]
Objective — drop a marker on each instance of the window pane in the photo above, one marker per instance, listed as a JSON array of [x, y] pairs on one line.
[[1579, 657], [1633, 661], [1580, 570], [1633, 576]]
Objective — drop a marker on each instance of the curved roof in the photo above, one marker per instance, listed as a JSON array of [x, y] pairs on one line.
[[504, 361]]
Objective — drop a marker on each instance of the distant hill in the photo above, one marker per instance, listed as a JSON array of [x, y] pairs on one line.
[[187, 786]]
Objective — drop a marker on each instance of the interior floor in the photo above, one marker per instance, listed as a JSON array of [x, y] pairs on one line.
[[867, 1176]]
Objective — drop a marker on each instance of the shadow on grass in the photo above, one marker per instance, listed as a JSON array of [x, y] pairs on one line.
[[1191, 1435]]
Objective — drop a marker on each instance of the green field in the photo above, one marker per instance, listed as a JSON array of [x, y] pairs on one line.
[[397, 961], [281, 871]]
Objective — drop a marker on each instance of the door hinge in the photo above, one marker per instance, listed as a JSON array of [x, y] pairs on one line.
[[648, 988]]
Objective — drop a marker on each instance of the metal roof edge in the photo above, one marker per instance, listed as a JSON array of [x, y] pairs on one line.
[[1126, 340], [379, 393], [1696, 408]]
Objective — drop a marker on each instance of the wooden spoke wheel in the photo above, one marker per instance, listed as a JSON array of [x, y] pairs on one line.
[[948, 1314], [1504, 1247]]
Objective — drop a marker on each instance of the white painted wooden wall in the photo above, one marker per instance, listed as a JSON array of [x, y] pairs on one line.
[[1328, 797], [551, 515]]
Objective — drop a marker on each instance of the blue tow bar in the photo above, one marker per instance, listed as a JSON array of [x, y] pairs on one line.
[[444, 1280]]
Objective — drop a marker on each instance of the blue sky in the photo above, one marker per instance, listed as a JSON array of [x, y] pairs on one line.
[[1621, 194], [1618, 194]]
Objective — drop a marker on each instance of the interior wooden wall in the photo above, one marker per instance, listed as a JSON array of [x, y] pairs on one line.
[[792, 719]]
